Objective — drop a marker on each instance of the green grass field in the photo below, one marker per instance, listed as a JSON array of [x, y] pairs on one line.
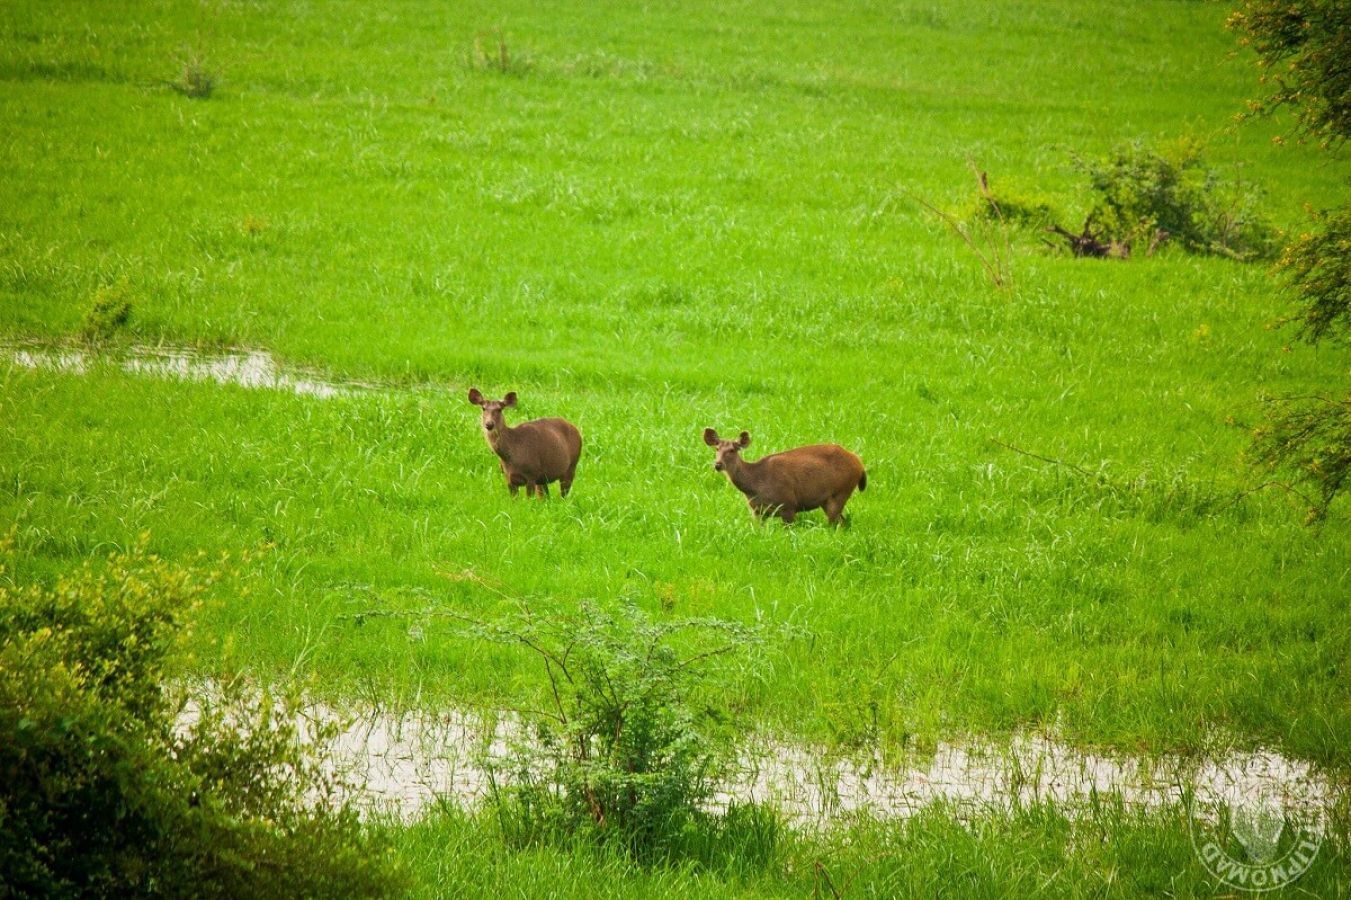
[[651, 220]]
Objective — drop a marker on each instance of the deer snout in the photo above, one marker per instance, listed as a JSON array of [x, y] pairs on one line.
[[487, 426], [717, 466]]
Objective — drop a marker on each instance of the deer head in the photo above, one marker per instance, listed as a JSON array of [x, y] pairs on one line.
[[491, 420], [729, 452]]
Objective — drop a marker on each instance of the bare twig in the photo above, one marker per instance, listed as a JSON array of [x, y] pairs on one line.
[[1047, 459], [983, 183], [822, 873], [698, 657], [992, 267], [1289, 489]]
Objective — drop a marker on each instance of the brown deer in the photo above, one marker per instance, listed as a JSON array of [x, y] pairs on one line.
[[533, 453], [785, 484]]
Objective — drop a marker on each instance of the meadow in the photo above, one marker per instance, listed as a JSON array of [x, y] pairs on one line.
[[651, 220]]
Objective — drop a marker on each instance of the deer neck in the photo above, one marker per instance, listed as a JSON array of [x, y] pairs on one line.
[[745, 475]]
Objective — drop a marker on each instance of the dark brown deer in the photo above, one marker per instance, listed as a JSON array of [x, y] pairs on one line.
[[533, 453], [785, 484]]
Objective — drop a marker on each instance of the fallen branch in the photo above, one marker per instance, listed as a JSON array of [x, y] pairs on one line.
[[1289, 489], [1089, 243], [1048, 459]]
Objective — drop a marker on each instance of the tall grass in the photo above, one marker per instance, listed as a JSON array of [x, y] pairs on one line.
[[1036, 850]]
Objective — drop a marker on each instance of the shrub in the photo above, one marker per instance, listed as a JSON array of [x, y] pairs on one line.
[[101, 793], [490, 53], [194, 79], [1311, 437], [633, 741], [1302, 47], [109, 310], [1145, 195], [1317, 266]]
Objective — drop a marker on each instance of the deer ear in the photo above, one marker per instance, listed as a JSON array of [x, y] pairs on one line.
[[475, 397], [710, 437], [745, 439], [509, 399]]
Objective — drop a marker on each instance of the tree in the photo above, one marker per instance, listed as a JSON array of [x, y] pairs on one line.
[[1304, 51]]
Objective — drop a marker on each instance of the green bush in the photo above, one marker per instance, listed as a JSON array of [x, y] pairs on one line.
[[195, 80], [633, 741], [109, 310], [1146, 195], [491, 54], [103, 793], [1317, 266]]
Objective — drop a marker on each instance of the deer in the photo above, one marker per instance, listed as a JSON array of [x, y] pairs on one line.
[[534, 453], [784, 484]]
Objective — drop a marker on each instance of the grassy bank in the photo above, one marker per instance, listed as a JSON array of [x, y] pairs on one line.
[[1030, 851]]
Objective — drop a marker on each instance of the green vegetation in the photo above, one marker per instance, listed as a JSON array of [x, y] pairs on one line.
[[102, 794], [109, 311], [1029, 851], [1302, 49], [631, 748], [651, 220], [1146, 196]]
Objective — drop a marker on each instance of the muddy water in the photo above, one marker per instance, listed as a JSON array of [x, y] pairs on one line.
[[245, 368], [402, 764]]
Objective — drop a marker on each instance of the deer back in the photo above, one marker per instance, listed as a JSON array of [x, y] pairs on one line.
[[806, 477], [541, 449]]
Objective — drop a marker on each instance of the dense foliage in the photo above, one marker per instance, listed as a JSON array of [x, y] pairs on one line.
[[1145, 195], [1303, 48], [104, 791], [633, 741], [1318, 267]]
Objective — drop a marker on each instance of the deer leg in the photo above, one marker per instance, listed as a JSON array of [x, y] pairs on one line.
[[788, 514], [542, 489], [565, 483], [834, 508]]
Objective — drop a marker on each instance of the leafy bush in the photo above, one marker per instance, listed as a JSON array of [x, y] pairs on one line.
[[1318, 267], [1146, 195], [1311, 437], [102, 793], [195, 80], [490, 53], [1302, 47], [633, 741], [109, 311]]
